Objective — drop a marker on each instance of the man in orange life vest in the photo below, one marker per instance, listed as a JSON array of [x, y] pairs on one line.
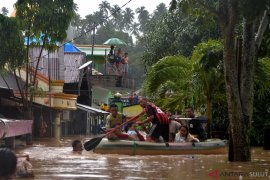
[[159, 120]]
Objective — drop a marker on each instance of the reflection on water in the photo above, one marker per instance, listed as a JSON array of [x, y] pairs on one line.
[[55, 160]]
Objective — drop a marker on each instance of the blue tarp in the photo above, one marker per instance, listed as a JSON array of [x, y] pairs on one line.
[[68, 47]]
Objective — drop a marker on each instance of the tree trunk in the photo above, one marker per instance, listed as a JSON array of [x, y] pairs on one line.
[[210, 117], [39, 58], [239, 143]]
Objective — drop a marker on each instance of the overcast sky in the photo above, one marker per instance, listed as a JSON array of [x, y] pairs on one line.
[[89, 6]]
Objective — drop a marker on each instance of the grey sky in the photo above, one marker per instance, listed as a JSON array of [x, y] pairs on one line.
[[89, 6]]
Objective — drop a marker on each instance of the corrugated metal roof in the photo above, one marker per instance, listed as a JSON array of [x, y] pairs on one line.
[[90, 109]]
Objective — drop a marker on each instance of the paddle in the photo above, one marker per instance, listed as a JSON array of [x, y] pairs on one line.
[[200, 118], [91, 144]]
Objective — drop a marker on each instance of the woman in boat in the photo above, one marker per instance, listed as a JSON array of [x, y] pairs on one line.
[[184, 136], [133, 132]]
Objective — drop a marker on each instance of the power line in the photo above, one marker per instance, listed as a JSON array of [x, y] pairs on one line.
[[91, 29]]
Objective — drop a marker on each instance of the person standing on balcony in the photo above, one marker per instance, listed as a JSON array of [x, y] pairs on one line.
[[125, 64], [118, 60]]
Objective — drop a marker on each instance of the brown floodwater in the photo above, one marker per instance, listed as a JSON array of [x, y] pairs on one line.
[[55, 160]]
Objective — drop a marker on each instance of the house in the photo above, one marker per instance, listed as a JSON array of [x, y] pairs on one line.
[[105, 85]]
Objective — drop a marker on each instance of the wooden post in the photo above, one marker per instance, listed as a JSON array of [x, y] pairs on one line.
[[57, 125]]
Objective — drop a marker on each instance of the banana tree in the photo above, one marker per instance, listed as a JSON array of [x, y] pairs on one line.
[[208, 74]]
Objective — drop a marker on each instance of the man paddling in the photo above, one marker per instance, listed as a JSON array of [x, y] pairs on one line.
[[114, 119], [159, 120]]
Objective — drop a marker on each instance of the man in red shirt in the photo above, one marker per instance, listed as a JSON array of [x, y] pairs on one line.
[[159, 120]]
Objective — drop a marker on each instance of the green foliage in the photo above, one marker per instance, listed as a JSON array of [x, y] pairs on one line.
[[12, 50], [36, 91], [175, 81], [143, 17], [160, 11], [208, 68], [175, 33], [264, 50], [169, 82], [261, 110], [4, 11], [173, 67], [220, 116], [107, 31], [45, 17], [252, 9], [262, 78], [261, 114]]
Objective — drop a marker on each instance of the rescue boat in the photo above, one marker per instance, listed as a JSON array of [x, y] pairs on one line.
[[214, 146]]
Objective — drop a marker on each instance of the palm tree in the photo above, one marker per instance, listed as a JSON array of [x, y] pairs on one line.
[[143, 17], [134, 29], [104, 8], [116, 13], [128, 18], [76, 21], [159, 11], [4, 11], [208, 75], [100, 18]]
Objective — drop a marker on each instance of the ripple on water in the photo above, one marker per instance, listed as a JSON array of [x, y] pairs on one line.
[[57, 161]]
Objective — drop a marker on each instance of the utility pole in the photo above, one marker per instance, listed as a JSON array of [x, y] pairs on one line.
[[91, 66]]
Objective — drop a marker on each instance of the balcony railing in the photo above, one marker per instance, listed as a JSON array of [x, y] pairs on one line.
[[112, 81]]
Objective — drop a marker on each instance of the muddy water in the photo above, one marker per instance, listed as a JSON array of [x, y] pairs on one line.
[[55, 160]]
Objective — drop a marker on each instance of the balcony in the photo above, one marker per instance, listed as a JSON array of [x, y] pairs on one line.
[[112, 81]]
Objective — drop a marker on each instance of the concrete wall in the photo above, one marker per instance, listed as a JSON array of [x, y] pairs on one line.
[[100, 95]]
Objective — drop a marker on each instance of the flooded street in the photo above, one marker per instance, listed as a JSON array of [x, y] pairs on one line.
[[55, 160]]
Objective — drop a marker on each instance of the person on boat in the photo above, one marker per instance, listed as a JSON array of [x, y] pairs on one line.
[[8, 163], [159, 120], [195, 126], [174, 127], [104, 107], [77, 146], [136, 99], [184, 136], [131, 98], [114, 119], [133, 132]]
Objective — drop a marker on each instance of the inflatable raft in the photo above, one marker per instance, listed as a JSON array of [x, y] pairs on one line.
[[148, 148]]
